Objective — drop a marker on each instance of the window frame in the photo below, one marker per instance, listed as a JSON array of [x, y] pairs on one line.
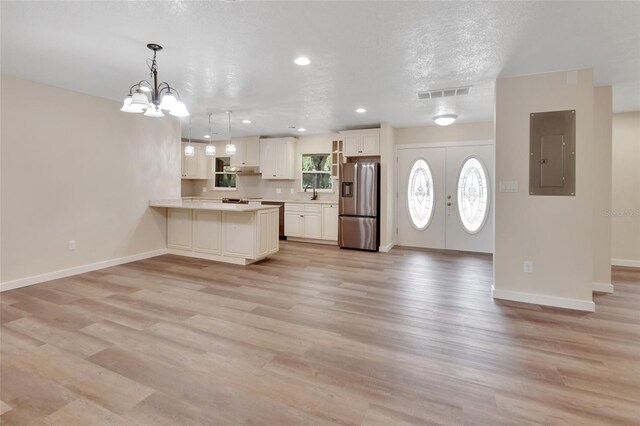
[[327, 172], [215, 172], [488, 196]]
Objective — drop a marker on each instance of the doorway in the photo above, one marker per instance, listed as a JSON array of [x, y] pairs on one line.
[[445, 196]]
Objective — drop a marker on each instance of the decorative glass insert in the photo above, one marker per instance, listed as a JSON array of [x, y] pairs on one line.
[[223, 177], [316, 170], [473, 195], [420, 194]]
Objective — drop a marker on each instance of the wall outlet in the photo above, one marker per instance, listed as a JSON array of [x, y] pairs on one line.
[[278, 191], [528, 266], [293, 191], [72, 244]]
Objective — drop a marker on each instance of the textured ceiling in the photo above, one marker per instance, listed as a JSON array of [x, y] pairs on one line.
[[239, 55]]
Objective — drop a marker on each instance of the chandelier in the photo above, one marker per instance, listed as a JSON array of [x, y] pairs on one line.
[[163, 96]]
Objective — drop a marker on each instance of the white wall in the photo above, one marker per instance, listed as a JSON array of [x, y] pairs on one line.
[[601, 178], [74, 167], [626, 189], [553, 232], [453, 133]]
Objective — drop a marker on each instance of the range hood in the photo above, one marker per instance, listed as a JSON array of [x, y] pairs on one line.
[[246, 170]]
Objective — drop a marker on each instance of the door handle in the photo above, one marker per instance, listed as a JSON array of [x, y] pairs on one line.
[[449, 204]]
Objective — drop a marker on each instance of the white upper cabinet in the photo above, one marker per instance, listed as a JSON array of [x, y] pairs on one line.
[[277, 158], [247, 152], [358, 143], [194, 167]]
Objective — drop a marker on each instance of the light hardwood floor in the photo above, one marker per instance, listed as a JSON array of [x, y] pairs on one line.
[[314, 335]]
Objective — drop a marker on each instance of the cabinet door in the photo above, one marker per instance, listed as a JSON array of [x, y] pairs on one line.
[[268, 160], [274, 231], [371, 144], [330, 222], [201, 162], [283, 160], [252, 153], [239, 158], [293, 224], [179, 229], [313, 225], [352, 145], [264, 225], [207, 236], [239, 234], [189, 164]]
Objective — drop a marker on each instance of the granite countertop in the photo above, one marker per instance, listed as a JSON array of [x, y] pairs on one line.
[[207, 205]]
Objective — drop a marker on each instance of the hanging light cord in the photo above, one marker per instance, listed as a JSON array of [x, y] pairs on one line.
[[210, 134], [189, 130], [229, 115]]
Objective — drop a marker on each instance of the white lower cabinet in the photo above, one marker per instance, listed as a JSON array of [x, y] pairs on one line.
[[330, 222], [206, 231], [180, 229], [308, 221], [226, 236]]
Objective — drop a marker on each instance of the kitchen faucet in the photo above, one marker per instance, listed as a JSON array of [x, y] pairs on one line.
[[315, 193]]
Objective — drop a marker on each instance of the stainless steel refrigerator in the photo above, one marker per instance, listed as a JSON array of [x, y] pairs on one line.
[[359, 208]]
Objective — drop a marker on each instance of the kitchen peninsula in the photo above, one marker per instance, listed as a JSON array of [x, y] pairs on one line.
[[232, 233]]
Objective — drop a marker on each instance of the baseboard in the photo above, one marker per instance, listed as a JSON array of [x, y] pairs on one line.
[[312, 240], [628, 263], [602, 287], [387, 248], [538, 299], [36, 279]]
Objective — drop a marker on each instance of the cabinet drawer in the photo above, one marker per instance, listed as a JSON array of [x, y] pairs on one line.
[[290, 207], [312, 208]]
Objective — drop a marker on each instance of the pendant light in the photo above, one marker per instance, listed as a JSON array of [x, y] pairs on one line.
[[163, 96], [230, 149], [189, 150], [210, 150]]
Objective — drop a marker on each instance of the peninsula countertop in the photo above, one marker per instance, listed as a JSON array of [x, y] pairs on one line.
[[208, 205]]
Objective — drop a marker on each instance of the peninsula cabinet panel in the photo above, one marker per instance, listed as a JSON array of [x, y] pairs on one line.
[[239, 234], [206, 231], [274, 231], [180, 229]]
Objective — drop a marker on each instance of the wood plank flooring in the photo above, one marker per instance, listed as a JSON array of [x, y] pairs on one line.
[[314, 335]]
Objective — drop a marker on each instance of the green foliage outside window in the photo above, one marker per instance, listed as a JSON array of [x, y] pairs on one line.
[[316, 171]]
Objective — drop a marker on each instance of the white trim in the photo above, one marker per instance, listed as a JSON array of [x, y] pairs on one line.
[[443, 144], [602, 287], [312, 240], [387, 248], [63, 273], [539, 299], [629, 263], [215, 257]]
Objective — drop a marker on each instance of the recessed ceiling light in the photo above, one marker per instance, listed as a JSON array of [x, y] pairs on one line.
[[445, 119], [245, 121], [302, 129], [361, 110], [302, 60]]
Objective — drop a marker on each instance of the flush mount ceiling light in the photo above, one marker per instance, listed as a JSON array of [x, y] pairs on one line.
[[445, 119], [302, 129], [163, 96], [210, 150], [302, 61], [230, 148], [189, 150], [245, 121], [361, 110]]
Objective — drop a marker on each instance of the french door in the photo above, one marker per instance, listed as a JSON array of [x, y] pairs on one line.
[[445, 197]]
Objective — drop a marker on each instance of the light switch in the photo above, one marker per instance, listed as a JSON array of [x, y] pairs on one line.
[[278, 191]]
